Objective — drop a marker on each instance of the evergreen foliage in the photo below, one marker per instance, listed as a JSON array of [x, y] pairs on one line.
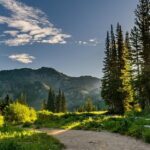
[[51, 101], [59, 102], [55, 102], [137, 61], [4, 103], [105, 91], [142, 23], [88, 106], [126, 81], [117, 73]]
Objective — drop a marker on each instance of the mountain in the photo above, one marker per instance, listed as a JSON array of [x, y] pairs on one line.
[[35, 85]]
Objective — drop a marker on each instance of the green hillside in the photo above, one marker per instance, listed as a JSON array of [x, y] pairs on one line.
[[35, 84]]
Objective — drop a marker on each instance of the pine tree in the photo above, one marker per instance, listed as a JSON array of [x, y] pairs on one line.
[[136, 48], [80, 109], [130, 59], [51, 101], [4, 103], [7, 100], [89, 106], [128, 46], [117, 88], [59, 102], [114, 78], [143, 25], [125, 89], [127, 82], [64, 107], [55, 103], [120, 50], [137, 61], [105, 92]]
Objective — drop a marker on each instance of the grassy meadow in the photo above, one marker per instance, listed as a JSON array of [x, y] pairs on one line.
[[19, 126]]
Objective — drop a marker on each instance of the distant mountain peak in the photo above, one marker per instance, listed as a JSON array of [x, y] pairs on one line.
[[35, 83]]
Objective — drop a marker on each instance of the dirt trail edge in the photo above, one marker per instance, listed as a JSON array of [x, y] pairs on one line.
[[90, 140]]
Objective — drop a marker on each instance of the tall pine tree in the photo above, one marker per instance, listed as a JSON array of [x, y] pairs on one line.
[[125, 87], [120, 50], [137, 61], [55, 103], [143, 25], [59, 102], [113, 71], [51, 101], [116, 84], [106, 89]]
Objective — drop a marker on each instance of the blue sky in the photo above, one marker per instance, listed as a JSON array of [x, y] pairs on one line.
[[68, 35]]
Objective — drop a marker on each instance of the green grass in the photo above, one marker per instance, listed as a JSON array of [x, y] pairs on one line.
[[12, 138], [61, 120], [132, 124]]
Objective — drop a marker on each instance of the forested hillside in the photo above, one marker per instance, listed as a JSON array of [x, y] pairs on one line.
[[34, 85]]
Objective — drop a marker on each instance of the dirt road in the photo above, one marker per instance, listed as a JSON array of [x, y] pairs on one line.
[[90, 140]]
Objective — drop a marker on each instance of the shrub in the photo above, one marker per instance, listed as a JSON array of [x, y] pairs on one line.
[[44, 114], [33, 115], [146, 135], [110, 125], [1, 121], [10, 145], [135, 130], [20, 113]]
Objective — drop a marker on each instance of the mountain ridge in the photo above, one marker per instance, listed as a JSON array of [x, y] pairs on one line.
[[36, 82], [41, 68]]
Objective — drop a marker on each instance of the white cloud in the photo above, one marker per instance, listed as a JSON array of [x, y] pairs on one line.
[[29, 21], [13, 33], [20, 39], [23, 58], [90, 42], [57, 39]]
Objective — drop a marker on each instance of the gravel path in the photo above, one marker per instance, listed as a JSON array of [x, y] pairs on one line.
[[90, 140]]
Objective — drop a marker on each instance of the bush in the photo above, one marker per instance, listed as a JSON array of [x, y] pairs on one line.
[[135, 130], [20, 113], [10, 145], [146, 135], [44, 115], [1, 121]]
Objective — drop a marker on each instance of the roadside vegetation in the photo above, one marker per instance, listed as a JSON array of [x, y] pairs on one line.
[[136, 124], [14, 137], [19, 125]]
